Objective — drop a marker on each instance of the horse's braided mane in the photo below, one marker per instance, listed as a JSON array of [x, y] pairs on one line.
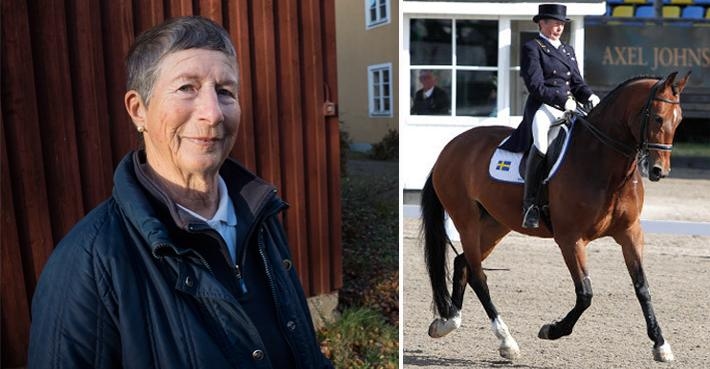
[[611, 96]]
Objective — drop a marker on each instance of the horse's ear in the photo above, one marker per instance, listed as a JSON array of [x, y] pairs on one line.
[[669, 81], [681, 84]]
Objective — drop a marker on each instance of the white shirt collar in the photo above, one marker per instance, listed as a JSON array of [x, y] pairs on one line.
[[555, 43], [428, 92], [225, 210]]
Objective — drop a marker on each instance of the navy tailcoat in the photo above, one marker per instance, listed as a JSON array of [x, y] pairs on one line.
[[550, 75]]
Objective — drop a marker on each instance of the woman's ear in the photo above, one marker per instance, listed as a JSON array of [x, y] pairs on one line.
[[136, 107]]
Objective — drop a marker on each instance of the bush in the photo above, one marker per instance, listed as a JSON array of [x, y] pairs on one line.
[[360, 339], [388, 148]]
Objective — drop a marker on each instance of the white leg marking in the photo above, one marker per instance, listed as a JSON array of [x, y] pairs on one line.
[[663, 353], [440, 327], [508, 347]]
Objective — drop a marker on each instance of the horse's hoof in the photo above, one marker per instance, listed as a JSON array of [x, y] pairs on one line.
[[435, 329], [511, 352], [545, 332], [441, 327], [663, 353]]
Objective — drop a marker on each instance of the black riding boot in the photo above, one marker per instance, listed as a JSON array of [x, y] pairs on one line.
[[533, 181]]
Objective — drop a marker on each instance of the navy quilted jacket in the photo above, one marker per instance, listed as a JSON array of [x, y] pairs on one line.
[[135, 284]]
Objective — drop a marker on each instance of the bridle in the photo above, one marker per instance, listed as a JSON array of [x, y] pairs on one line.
[[644, 147]]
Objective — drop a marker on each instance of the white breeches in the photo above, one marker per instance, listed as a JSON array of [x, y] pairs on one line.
[[542, 133]]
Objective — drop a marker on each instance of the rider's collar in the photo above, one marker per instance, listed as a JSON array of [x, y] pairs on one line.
[[556, 43]]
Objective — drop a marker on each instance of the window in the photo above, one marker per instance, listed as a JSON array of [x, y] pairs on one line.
[[454, 62], [380, 90], [377, 12]]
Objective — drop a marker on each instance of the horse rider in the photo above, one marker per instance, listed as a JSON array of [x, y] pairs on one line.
[[554, 82]]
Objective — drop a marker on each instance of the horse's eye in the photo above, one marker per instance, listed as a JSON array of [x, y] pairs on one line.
[[659, 120]]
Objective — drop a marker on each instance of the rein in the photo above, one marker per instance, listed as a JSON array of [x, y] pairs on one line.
[[644, 146], [624, 149]]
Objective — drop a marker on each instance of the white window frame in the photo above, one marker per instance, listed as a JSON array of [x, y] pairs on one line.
[[385, 91], [379, 21], [454, 67]]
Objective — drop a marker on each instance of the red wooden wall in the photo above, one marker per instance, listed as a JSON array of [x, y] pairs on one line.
[[64, 127]]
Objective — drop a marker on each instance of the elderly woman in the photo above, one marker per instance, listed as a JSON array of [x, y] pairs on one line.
[[186, 265], [552, 77]]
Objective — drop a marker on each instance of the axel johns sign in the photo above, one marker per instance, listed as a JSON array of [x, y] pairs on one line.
[[613, 53]]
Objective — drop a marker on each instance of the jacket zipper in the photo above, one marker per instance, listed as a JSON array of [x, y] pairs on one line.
[[240, 281], [242, 253], [215, 235], [257, 224], [199, 256], [272, 286], [241, 258]]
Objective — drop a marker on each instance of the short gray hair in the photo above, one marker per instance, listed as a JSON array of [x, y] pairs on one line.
[[176, 34]]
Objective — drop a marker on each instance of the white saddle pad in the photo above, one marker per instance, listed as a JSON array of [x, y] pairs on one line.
[[504, 165]]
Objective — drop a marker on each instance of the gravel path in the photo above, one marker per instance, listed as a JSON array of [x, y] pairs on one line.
[[531, 286]]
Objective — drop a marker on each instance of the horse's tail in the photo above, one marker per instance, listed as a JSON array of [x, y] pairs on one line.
[[435, 246]]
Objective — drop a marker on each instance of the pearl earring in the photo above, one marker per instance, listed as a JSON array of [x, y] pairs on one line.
[[141, 129]]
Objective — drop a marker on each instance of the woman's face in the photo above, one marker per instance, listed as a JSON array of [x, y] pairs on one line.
[[552, 28], [193, 116]]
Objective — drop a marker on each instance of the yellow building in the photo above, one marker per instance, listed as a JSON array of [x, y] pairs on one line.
[[368, 50]]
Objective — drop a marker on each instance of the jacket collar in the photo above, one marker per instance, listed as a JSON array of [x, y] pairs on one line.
[[555, 52], [542, 36], [154, 214]]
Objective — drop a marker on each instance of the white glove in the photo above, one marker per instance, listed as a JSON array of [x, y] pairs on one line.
[[570, 105], [594, 99]]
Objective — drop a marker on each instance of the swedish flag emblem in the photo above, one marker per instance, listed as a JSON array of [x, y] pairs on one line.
[[503, 165]]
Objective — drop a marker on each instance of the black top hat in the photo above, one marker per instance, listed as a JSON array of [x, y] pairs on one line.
[[551, 11]]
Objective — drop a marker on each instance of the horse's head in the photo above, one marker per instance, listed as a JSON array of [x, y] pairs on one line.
[[655, 124]]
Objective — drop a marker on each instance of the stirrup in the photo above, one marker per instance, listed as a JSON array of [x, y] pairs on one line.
[[531, 218]]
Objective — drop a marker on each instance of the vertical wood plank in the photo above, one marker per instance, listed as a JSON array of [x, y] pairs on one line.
[[291, 134], [265, 89], [147, 14], [238, 27], [50, 48], [333, 144], [117, 20], [314, 131], [24, 143], [15, 307], [211, 9], [92, 129], [179, 8]]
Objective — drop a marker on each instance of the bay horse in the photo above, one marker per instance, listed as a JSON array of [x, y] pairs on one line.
[[596, 192]]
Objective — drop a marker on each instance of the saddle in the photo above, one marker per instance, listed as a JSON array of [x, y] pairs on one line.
[[507, 166]]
